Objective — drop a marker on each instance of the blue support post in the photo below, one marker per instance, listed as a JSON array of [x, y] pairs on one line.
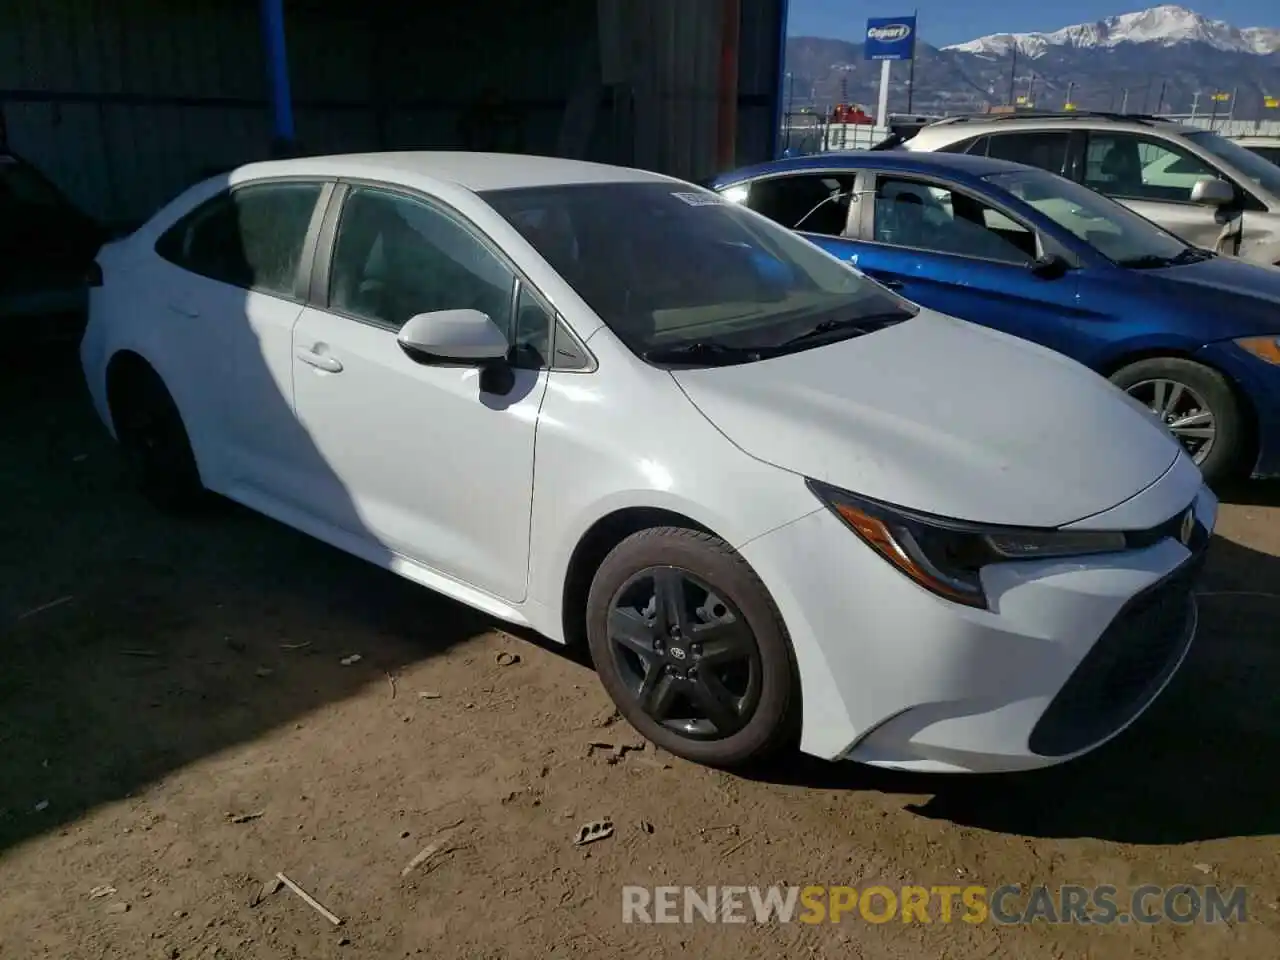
[[277, 58], [779, 104]]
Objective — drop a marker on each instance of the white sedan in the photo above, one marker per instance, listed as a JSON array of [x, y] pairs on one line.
[[780, 503]]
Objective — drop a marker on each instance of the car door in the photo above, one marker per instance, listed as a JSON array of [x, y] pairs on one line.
[[945, 248], [417, 459], [1153, 177], [231, 277]]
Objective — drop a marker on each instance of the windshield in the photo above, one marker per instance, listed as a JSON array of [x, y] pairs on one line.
[[1262, 172], [1112, 229], [669, 266]]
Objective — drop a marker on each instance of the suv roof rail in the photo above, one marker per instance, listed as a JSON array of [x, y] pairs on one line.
[[1053, 115]]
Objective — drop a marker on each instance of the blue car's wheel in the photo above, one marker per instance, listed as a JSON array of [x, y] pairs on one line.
[[1197, 405]]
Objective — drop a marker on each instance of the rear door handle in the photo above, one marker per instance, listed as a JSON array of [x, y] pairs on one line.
[[183, 309], [321, 361]]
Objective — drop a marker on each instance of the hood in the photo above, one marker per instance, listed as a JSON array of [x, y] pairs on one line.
[[944, 417], [1249, 293]]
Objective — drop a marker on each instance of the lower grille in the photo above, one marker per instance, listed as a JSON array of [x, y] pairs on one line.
[[1119, 676]]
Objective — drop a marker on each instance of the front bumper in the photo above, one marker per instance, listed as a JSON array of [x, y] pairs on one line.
[[1260, 382], [894, 676]]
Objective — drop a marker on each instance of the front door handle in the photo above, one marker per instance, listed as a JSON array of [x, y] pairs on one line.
[[321, 361]]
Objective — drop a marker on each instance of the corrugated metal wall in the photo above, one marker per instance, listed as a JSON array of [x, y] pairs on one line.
[[124, 102]]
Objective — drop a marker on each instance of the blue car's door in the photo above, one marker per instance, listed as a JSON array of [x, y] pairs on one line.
[[942, 247]]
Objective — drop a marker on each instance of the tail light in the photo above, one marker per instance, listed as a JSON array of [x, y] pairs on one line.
[[93, 276]]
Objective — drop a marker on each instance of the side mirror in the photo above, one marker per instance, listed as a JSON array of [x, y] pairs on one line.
[[1212, 192], [466, 338], [1050, 267]]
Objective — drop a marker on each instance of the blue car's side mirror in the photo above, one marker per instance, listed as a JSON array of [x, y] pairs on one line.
[[1049, 267]]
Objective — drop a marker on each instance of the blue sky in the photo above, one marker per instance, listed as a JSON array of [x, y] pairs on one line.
[[954, 21]]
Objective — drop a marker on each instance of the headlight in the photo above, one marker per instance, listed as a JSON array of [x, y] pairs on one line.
[[946, 556], [1264, 348]]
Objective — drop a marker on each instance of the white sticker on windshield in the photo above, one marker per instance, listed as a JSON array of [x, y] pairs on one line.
[[699, 199]]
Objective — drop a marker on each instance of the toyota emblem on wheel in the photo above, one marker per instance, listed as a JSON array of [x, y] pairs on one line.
[[677, 652]]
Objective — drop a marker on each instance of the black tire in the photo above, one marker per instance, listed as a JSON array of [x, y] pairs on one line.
[[154, 442], [1228, 455], [774, 694]]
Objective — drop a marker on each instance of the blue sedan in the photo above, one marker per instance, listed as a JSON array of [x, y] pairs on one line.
[[1192, 335]]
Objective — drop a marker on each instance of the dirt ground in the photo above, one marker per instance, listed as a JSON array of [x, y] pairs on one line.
[[177, 726]]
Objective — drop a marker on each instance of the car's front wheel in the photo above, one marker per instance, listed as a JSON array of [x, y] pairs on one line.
[[688, 643], [1197, 405]]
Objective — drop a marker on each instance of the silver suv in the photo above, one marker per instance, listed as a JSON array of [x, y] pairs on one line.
[[1208, 190]]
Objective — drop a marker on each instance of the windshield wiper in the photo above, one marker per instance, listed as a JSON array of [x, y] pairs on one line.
[[1150, 261], [856, 325], [703, 352]]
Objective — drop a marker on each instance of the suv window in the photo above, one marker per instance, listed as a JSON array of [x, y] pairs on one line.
[[1047, 150], [1267, 153], [927, 216], [811, 202], [1140, 168], [397, 256], [251, 237]]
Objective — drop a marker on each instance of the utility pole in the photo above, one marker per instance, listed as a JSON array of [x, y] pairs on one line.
[[1013, 72], [791, 102], [1231, 112], [1071, 85], [911, 70], [1195, 102], [1031, 90], [1124, 101], [1160, 101]]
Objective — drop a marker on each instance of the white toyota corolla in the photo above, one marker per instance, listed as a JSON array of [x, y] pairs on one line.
[[776, 499]]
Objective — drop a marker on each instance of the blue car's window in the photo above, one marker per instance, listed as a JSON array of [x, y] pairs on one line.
[[812, 202], [666, 264], [927, 216], [1113, 230]]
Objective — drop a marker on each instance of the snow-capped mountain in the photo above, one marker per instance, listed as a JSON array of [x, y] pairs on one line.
[[1164, 26]]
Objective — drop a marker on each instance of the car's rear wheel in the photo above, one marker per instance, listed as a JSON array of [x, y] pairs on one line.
[[154, 442], [1197, 405], [689, 644]]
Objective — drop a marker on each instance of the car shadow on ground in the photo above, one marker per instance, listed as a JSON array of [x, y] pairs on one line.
[[1198, 765], [135, 643], [1253, 493]]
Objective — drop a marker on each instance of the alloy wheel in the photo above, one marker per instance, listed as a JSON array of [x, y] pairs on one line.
[[1183, 412], [685, 654]]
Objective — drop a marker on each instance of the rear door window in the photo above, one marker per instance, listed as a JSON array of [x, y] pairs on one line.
[[251, 237], [809, 202], [1046, 150]]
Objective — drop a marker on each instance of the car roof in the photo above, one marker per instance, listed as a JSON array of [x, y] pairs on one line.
[[472, 171], [896, 160], [951, 129]]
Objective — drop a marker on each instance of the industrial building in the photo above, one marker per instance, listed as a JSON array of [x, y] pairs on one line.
[[125, 102]]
